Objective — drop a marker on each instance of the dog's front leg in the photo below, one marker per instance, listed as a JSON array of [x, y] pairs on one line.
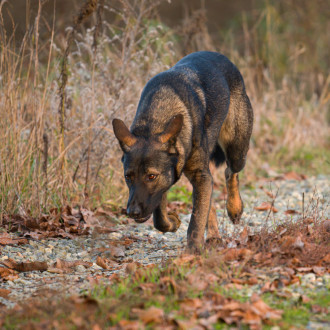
[[163, 221], [202, 191]]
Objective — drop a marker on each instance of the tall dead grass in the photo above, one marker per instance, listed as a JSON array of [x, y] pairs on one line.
[[56, 142]]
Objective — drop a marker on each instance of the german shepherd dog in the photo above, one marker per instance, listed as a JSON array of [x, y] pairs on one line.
[[193, 113]]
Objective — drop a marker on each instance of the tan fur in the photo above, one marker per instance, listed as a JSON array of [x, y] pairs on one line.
[[234, 201], [212, 225], [227, 132]]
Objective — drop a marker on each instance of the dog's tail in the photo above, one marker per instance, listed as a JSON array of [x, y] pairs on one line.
[[218, 156]]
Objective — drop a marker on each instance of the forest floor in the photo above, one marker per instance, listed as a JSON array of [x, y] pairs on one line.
[[77, 268]]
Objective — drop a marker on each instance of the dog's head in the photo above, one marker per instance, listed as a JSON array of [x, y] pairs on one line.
[[149, 166]]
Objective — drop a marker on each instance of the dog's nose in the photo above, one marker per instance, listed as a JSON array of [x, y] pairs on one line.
[[134, 211]]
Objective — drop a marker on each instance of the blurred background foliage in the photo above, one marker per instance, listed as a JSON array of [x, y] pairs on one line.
[[62, 83]]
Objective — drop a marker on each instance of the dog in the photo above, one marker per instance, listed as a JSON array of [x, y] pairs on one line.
[[195, 112]]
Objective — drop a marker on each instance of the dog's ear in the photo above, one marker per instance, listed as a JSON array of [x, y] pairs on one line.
[[172, 130], [124, 136]]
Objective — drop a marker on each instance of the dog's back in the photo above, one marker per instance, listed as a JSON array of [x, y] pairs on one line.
[[201, 87]]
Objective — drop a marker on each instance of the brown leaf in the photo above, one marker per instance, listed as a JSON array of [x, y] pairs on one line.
[[129, 325], [132, 267], [251, 318], [197, 280], [291, 242], [319, 270], [150, 315], [267, 192], [263, 310], [294, 176], [104, 230], [25, 266], [117, 251], [148, 288], [8, 274], [317, 309], [5, 239], [289, 211], [89, 217], [187, 324], [64, 264], [304, 299], [184, 259], [244, 236], [190, 304], [231, 306], [105, 263], [85, 304], [265, 206], [326, 225], [237, 254], [168, 282], [326, 259], [4, 293]]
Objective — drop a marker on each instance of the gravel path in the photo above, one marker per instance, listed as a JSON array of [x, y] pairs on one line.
[[145, 245]]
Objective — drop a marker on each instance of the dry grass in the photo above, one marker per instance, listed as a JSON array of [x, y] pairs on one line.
[[58, 97]]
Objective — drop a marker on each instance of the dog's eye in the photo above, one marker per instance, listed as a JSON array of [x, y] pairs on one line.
[[128, 177], [151, 177]]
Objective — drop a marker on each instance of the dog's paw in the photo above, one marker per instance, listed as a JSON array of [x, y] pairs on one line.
[[193, 249], [235, 217], [213, 242], [235, 209], [195, 246], [175, 221]]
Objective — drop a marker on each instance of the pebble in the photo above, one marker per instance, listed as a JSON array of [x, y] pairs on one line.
[[80, 268]]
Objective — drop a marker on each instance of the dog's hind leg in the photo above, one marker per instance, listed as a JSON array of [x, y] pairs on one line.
[[163, 221], [234, 140]]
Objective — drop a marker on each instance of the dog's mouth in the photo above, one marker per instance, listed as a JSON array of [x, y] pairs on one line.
[[141, 220]]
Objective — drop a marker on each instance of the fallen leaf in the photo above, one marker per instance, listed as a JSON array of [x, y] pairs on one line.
[[317, 309], [304, 299], [197, 280], [237, 254], [85, 304], [262, 309], [150, 315], [184, 259], [132, 267], [319, 270], [25, 266], [4, 293], [89, 217], [326, 259], [129, 325], [294, 176], [5, 239], [187, 324], [265, 206], [117, 252], [287, 212], [231, 306], [148, 288], [168, 282], [244, 236], [64, 264], [8, 274], [190, 304], [288, 242], [105, 263]]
